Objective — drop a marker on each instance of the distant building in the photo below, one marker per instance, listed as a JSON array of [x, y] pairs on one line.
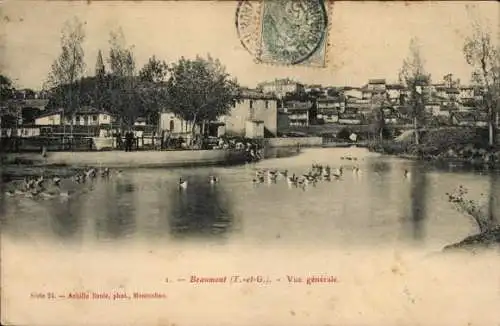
[[395, 92], [313, 88], [253, 115], [24, 110], [434, 108], [352, 92], [140, 122], [281, 87], [298, 112], [374, 87], [468, 119], [466, 93], [254, 107], [53, 118], [85, 116], [329, 108], [170, 122], [350, 118]]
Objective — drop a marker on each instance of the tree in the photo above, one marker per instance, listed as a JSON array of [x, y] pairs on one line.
[[450, 82], [413, 76], [200, 90], [378, 122], [68, 67], [122, 79], [154, 71], [152, 90], [484, 57], [7, 90], [378, 103], [121, 58]]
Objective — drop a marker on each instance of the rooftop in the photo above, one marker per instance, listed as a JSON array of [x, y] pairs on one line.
[[254, 94], [376, 81]]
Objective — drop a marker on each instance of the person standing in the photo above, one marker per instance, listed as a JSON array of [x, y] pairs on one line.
[[128, 141]]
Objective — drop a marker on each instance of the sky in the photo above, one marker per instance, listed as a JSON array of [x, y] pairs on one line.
[[367, 39]]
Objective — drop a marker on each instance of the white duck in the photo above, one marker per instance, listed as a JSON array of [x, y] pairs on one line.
[[182, 184]]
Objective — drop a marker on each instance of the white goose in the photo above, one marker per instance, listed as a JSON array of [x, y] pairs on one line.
[[182, 184], [338, 172], [407, 174], [213, 179]]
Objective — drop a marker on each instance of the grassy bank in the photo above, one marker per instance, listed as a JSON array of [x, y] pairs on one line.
[[468, 145], [484, 240]]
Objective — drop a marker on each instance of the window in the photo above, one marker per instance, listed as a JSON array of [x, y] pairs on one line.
[[266, 103], [104, 117], [171, 126], [251, 104], [94, 118]]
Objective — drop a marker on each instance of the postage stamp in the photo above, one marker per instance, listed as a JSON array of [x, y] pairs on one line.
[[284, 32]]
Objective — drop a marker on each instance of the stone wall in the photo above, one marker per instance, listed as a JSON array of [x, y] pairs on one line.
[[294, 141]]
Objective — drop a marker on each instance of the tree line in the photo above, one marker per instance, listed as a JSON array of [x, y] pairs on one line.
[[481, 53], [196, 90]]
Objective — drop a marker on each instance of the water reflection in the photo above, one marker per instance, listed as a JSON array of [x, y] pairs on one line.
[[418, 192], [494, 198], [66, 217], [201, 208], [3, 189], [117, 220]]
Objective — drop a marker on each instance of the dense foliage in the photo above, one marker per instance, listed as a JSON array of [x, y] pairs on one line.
[[200, 90]]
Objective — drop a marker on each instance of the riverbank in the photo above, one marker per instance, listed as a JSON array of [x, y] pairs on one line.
[[121, 159], [484, 240], [460, 146]]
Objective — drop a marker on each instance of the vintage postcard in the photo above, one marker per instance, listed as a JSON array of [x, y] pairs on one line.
[[267, 162]]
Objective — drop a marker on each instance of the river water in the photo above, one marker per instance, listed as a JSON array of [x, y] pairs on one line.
[[377, 231]]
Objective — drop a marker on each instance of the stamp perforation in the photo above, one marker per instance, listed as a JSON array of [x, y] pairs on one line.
[[319, 56]]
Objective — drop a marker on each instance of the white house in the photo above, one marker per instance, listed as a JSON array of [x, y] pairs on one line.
[[252, 106], [281, 87], [175, 125], [251, 112], [85, 116], [298, 112], [466, 92], [49, 119], [140, 122], [374, 87], [352, 92], [394, 92], [329, 107]]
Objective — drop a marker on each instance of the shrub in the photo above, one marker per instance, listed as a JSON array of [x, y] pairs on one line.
[[344, 134], [472, 208]]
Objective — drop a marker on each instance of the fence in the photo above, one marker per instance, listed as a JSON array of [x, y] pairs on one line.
[[85, 143]]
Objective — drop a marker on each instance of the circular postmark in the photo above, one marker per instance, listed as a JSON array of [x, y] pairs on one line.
[[285, 31], [248, 26]]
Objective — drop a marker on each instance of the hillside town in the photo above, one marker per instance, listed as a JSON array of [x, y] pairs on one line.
[[281, 107]]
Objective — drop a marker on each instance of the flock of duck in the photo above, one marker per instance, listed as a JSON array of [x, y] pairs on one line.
[[311, 177], [315, 174], [41, 187], [46, 188]]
